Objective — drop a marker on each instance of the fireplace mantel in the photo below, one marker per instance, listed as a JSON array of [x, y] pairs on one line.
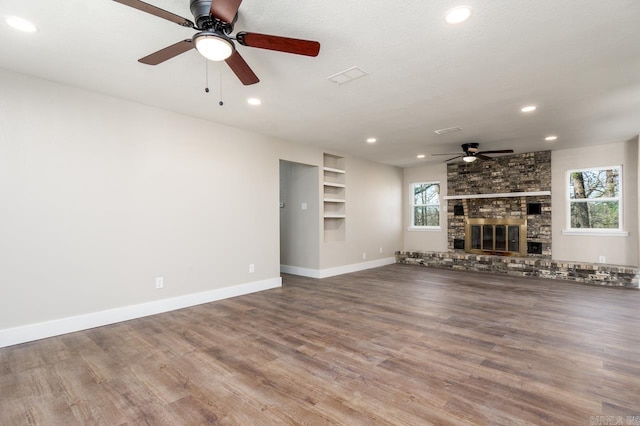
[[499, 195]]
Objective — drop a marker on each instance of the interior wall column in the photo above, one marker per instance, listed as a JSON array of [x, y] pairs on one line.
[[637, 142]]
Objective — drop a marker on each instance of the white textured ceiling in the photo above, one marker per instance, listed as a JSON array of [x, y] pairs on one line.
[[577, 60]]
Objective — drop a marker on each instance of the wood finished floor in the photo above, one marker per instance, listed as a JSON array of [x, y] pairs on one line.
[[393, 345]]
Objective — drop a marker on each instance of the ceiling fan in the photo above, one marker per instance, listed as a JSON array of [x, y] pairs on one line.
[[214, 22], [471, 153]]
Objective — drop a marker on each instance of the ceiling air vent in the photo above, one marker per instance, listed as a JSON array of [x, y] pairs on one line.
[[447, 130], [347, 75]]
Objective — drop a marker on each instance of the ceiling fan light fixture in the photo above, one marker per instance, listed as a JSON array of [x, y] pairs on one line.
[[213, 46], [469, 158]]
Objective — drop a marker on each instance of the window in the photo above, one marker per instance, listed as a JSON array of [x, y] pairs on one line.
[[425, 205], [594, 198]]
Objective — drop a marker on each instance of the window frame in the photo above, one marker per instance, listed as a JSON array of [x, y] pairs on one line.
[[413, 226], [619, 231]]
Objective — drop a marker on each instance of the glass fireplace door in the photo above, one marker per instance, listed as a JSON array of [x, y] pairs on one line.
[[496, 236]]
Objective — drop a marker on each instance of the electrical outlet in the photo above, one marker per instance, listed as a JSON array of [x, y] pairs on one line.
[[602, 259], [380, 250], [304, 206], [159, 282], [364, 256], [252, 268]]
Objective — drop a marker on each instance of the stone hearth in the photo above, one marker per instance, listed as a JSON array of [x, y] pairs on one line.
[[588, 273]]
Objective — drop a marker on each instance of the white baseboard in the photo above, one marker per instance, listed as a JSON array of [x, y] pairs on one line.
[[346, 269], [339, 270], [28, 333], [303, 272]]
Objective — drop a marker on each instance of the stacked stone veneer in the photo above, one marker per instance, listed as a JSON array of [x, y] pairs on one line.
[[529, 172], [598, 274]]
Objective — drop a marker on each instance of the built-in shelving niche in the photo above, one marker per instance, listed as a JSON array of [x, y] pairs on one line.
[[334, 198]]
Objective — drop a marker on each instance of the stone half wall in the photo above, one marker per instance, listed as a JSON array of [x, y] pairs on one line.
[[529, 172], [588, 273]]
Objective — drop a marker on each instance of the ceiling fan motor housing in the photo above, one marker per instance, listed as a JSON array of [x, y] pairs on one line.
[[200, 9], [470, 148]]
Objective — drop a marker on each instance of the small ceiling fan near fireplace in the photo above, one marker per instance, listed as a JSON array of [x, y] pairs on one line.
[[471, 153], [214, 22]]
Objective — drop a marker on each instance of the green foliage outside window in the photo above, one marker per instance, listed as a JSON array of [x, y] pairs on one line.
[[594, 198], [426, 204]]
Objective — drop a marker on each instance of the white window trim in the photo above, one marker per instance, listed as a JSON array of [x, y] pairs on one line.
[[424, 228], [413, 227], [602, 232], [596, 231]]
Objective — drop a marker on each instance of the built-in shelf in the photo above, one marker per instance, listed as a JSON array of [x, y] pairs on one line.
[[335, 184], [334, 198], [332, 170]]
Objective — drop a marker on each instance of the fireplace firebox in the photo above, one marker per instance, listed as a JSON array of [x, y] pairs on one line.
[[503, 237]]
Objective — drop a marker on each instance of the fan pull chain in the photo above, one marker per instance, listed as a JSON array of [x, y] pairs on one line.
[[220, 103], [206, 76]]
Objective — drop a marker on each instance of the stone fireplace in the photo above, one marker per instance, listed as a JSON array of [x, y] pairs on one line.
[[501, 207]]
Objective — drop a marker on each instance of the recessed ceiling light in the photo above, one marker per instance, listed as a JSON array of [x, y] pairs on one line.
[[551, 138], [420, 156], [528, 108], [447, 130], [20, 24], [458, 14], [372, 140], [254, 101]]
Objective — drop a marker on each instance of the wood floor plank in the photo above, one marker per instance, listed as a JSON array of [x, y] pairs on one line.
[[395, 345]]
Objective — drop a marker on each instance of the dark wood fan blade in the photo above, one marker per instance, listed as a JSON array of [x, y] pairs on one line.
[[279, 44], [500, 151], [446, 153], [225, 10], [241, 69], [167, 53], [156, 11], [483, 157], [450, 159]]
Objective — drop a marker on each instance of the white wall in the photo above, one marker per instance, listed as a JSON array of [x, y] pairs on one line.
[[374, 215], [373, 210], [419, 240], [100, 196], [299, 228], [619, 250]]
